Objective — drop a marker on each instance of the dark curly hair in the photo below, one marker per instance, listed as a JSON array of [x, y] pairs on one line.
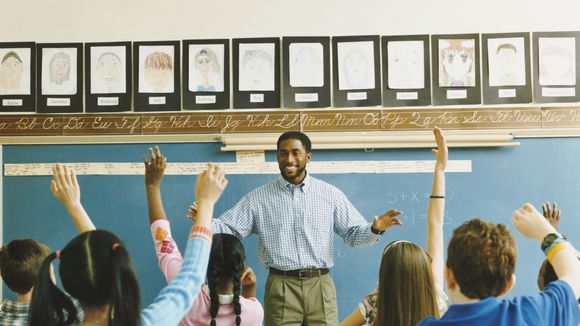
[[482, 257], [226, 262]]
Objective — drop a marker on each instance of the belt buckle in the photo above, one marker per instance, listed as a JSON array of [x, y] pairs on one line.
[[304, 272]]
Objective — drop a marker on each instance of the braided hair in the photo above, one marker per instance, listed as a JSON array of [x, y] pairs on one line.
[[226, 263]]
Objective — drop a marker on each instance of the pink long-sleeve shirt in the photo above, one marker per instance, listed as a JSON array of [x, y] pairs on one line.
[[170, 261]]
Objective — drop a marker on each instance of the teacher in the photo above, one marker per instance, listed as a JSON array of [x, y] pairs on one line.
[[295, 217]]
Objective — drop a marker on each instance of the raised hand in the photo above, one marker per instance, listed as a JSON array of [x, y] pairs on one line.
[[388, 219], [155, 168], [64, 185], [441, 153], [192, 211], [552, 214], [530, 223], [248, 277], [210, 184]]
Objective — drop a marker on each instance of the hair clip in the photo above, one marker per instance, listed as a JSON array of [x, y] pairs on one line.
[[116, 245]]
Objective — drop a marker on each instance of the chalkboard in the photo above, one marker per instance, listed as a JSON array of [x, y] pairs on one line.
[[502, 180]]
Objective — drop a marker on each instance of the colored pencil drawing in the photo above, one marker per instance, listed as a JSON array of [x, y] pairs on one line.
[[156, 73], [205, 68], [15, 71], [59, 71], [456, 63]]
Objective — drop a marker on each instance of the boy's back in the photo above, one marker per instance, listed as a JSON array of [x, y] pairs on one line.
[[556, 305]]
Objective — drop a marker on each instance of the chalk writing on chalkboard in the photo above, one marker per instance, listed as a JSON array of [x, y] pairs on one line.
[[315, 167]]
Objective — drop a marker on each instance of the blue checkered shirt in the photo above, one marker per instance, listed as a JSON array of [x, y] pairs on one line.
[[296, 223], [14, 313]]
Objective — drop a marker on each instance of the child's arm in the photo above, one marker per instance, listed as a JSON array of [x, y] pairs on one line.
[[436, 209], [65, 188], [176, 299], [154, 171], [248, 283], [530, 223], [354, 319]]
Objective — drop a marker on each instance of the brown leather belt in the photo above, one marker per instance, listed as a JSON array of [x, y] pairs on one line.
[[301, 274]]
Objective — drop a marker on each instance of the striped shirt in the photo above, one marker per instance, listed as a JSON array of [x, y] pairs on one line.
[[296, 223]]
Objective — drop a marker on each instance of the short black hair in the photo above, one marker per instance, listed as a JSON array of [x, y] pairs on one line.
[[296, 135]]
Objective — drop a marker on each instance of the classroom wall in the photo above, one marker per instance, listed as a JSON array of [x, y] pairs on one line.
[[138, 20], [133, 20]]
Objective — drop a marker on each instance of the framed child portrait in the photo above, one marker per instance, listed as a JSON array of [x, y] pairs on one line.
[[256, 63], [356, 65], [455, 64], [206, 74], [556, 67], [17, 77], [60, 77], [406, 70], [306, 70], [506, 68], [108, 77], [157, 76]]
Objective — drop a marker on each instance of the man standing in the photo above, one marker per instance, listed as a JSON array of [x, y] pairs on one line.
[[294, 217]]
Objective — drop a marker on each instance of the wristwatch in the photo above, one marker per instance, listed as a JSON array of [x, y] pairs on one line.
[[550, 239], [375, 231]]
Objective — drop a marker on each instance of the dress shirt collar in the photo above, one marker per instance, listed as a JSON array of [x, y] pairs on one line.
[[303, 186]]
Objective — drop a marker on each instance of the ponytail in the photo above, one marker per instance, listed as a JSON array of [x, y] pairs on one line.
[[236, 302], [213, 281], [125, 297], [50, 306]]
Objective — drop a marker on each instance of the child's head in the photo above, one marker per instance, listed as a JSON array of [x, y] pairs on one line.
[[20, 263], [226, 263], [406, 286], [481, 258], [95, 268]]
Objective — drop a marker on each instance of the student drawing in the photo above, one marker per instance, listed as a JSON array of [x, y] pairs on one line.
[[306, 65], [507, 61], [356, 65], [108, 70], [156, 69], [456, 63], [256, 62], [59, 71], [205, 68], [406, 66], [15, 71], [557, 61]]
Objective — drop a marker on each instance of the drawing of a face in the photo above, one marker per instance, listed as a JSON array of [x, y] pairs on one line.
[[405, 65], [457, 62], [109, 69], [556, 65], [158, 70], [507, 63], [356, 69], [205, 61], [11, 71], [59, 68], [258, 68]]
